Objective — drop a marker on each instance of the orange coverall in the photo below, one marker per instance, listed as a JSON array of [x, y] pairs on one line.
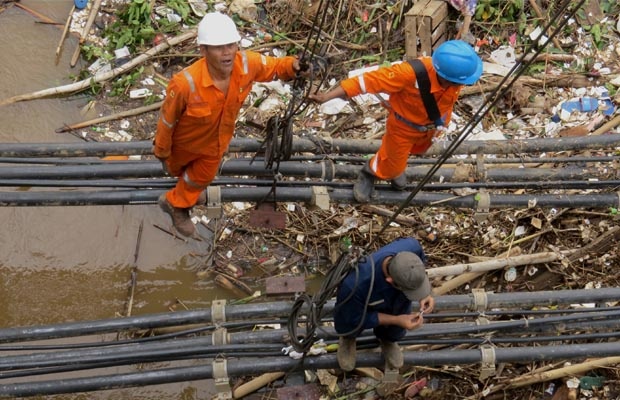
[[400, 139], [197, 120]]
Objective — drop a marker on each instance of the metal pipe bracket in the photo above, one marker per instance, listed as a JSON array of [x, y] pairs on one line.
[[488, 360], [222, 382], [480, 300], [483, 204], [214, 202], [220, 337], [218, 311], [320, 197]]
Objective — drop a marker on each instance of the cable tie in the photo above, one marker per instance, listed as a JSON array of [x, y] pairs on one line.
[[218, 311], [488, 360], [480, 300], [527, 322], [222, 382]]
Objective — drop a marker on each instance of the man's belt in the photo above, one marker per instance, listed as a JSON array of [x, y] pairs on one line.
[[421, 128]]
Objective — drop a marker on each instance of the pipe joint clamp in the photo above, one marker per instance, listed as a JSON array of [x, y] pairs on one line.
[[222, 382], [214, 202], [480, 300], [487, 367], [218, 311]]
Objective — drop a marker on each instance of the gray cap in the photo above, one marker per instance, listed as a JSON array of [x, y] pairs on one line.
[[409, 276]]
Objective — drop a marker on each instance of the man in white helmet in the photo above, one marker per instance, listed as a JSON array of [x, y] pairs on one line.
[[197, 118]]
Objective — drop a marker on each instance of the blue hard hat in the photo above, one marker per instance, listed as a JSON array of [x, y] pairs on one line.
[[456, 61], [79, 4]]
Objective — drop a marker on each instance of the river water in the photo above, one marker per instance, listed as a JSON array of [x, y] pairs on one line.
[[62, 264]]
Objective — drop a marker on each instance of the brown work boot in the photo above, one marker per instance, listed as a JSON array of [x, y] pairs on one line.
[[346, 353], [392, 353], [180, 217], [362, 189], [400, 182]]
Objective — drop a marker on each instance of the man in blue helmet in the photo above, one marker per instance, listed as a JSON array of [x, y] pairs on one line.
[[409, 129]]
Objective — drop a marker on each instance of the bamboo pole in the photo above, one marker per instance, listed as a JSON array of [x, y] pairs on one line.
[[256, 383], [492, 265], [608, 126], [64, 33], [36, 14], [86, 83], [467, 277], [91, 18], [124, 114], [545, 376], [539, 13]]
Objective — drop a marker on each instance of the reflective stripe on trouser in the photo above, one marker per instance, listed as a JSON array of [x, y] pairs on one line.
[[397, 144], [195, 173]]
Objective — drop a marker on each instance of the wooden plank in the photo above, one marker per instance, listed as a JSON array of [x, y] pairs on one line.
[[264, 216], [310, 391], [285, 285], [425, 27]]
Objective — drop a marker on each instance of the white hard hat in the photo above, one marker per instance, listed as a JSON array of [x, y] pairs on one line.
[[217, 29]]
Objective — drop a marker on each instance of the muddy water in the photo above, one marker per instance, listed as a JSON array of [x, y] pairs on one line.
[[61, 264]]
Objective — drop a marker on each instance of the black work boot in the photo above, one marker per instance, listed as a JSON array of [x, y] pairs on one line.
[[400, 182], [362, 189], [180, 217]]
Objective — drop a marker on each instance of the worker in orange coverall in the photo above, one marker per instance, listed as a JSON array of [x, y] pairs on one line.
[[409, 130], [197, 118]]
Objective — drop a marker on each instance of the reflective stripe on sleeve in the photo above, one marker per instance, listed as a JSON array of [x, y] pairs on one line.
[[170, 125], [190, 80], [362, 83], [244, 58]]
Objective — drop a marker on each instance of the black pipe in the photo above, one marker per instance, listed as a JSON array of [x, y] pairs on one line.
[[420, 159], [252, 311], [324, 170], [316, 144], [174, 349], [306, 195], [250, 367], [166, 183]]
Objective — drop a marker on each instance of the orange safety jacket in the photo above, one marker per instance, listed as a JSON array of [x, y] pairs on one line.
[[401, 139], [197, 120], [195, 115]]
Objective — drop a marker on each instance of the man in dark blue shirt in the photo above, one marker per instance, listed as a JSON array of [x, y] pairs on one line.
[[378, 295]]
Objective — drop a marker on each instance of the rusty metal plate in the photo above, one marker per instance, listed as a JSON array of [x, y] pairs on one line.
[[264, 216], [285, 285], [310, 391]]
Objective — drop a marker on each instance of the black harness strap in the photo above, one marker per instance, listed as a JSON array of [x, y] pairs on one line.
[[424, 84]]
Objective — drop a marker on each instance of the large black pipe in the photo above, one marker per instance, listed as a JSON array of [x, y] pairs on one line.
[[420, 159], [166, 183], [250, 367], [202, 346], [253, 311], [316, 144], [307, 195], [324, 170]]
